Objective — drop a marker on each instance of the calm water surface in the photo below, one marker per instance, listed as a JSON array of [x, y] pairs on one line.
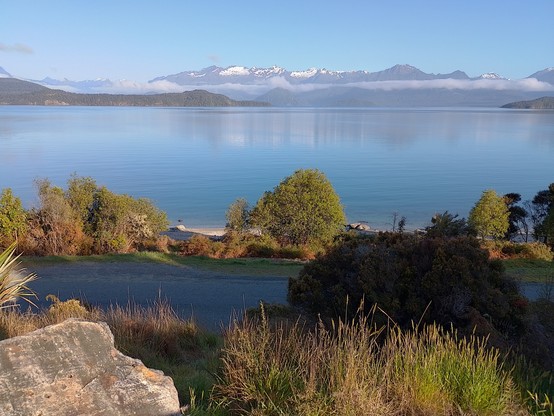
[[194, 162]]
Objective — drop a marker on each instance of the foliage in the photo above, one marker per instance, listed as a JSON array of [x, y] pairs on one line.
[[350, 370], [448, 225], [12, 218], [303, 209], [449, 281], [13, 283], [80, 196], [237, 245], [54, 227], [513, 250], [517, 217], [86, 219], [542, 214], [346, 369], [489, 216], [237, 216]]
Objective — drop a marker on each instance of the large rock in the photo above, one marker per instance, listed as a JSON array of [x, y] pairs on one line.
[[73, 368]]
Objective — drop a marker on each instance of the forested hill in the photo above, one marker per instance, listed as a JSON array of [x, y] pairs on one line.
[[544, 103], [17, 92]]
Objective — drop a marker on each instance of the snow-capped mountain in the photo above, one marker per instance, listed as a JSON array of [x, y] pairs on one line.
[[400, 85], [215, 75], [491, 75]]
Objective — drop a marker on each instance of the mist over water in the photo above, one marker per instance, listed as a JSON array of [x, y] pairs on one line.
[[193, 162]]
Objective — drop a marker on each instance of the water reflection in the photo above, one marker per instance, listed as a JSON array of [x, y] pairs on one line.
[[194, 162]]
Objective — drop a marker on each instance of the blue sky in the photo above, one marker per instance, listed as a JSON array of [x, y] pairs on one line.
[[140, 40]]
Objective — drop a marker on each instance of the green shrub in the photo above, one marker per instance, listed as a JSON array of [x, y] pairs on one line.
[[443, 280]]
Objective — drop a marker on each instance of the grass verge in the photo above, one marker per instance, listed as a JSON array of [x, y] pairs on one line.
[[530, 270], [241, 266]]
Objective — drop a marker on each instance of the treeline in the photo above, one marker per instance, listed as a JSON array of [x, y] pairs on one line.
[[543, 103], [506, 217], [17, 92], [82, 219]]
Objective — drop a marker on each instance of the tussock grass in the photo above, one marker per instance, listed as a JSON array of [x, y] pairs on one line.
[[357, 369]]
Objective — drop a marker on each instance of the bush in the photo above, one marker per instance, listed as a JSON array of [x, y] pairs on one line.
[[448, 281], [303, 209], [512, 250]]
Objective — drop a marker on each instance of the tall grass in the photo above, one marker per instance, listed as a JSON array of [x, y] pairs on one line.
[[284, 368], [356, 369]]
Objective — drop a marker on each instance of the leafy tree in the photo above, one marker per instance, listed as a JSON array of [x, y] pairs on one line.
[[12, 218], [517, 218], [238, 216], [448, 225], [542, 206], [303, 209], [489, 216]]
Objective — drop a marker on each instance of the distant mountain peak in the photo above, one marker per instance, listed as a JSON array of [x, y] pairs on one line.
[[491, 75], [4, 73], [545, 75]]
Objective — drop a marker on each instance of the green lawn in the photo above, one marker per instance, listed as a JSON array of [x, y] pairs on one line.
[[242, 266], [527, 270]]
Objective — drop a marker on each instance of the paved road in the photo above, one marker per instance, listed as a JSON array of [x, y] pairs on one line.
[[210, 297]]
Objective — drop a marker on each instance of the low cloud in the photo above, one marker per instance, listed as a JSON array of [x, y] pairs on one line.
[[16, 48], [528, 84], [132, 87], [257, 89]]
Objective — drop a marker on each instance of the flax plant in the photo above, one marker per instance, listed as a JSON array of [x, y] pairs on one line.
[[13, 283]]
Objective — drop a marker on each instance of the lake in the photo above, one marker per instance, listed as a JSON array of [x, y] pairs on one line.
[[194, 162]]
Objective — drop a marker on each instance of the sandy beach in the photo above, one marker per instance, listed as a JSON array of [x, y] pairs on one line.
[[180, 232]]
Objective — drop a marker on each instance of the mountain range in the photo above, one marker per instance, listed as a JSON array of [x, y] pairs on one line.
[[400, 85]]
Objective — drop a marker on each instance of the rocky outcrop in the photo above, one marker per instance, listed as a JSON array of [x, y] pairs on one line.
[[73, 368]]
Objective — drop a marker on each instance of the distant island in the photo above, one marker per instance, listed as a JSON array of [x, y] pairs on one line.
[[543, 103], [17, 92]]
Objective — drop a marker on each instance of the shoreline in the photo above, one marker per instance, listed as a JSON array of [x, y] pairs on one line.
[[180, 232]]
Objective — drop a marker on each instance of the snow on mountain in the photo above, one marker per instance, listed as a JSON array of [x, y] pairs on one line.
[[235, 71], [268, 72], [304, 74], [490, 75], [240, 82]]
